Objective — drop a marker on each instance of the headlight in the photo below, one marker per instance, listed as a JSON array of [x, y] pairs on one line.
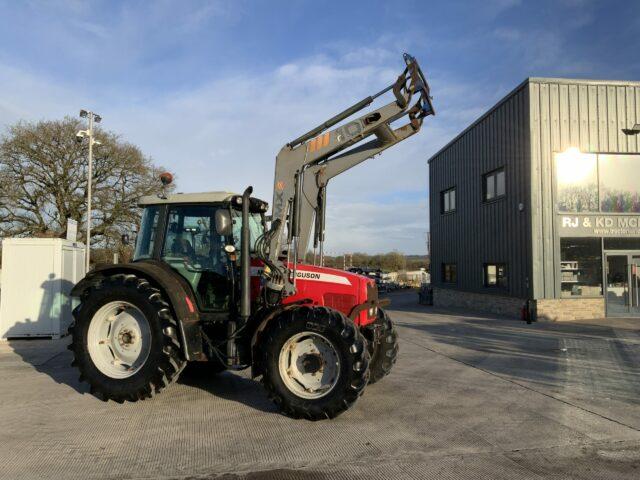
[[372, 311]]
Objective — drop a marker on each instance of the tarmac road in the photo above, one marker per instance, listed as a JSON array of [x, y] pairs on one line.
[[470, 397]]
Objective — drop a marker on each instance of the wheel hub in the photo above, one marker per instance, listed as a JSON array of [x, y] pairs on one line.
[[126, 338], [309, 365], [119, 339]]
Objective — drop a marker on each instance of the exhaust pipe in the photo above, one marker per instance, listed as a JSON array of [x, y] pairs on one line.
[[233, 358], [245, 259]]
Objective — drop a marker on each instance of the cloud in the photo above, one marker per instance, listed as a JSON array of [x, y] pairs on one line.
[[30, 96], [376, 228], [114, 45], [493, 8], [225, 133], [92, 28], [509, 34]]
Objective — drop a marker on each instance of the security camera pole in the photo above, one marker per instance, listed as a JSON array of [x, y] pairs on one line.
[[92, 117]]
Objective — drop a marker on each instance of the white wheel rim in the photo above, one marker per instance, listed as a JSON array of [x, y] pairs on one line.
[[309, 365], [119, 339]]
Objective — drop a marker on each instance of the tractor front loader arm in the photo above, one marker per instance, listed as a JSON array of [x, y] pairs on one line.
[[306, 164], [312, 209]]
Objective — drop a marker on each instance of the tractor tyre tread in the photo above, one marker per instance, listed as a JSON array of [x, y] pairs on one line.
[[345, 336], [385, 352], [165, 362]]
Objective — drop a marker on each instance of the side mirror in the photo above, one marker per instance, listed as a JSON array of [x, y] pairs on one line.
[[224, 224]]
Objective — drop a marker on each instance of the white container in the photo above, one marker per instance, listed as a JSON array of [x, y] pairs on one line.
[[37, 276]]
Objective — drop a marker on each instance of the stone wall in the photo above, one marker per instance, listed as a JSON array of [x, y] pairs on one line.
[[554, 310], [478, 302], [562, 309]]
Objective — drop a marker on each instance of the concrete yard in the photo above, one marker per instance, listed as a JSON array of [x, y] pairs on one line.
[[470, 397]]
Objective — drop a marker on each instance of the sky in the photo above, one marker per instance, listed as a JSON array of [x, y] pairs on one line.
[[212, 90]]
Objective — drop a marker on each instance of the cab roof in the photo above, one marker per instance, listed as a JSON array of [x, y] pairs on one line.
[[204, 197]]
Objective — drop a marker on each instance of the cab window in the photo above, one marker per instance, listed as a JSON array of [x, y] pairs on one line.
[[147, 235], [256, 229], [194, 249]]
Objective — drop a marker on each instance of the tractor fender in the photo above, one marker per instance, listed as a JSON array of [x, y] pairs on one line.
[[174, 288]]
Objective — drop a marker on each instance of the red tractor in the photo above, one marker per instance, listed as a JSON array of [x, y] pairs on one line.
[[216, 280]]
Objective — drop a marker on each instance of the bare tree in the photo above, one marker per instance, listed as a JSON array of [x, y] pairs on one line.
[[43, 181], [388, 262]]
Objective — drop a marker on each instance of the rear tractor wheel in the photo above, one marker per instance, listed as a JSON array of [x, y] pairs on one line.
[[125, 339], [315, 362], [385, 351]]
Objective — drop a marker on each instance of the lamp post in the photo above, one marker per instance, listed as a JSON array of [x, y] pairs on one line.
[[80, 136]]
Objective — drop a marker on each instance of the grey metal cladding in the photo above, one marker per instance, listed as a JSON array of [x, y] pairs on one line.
[[479, 232], [589, 115]]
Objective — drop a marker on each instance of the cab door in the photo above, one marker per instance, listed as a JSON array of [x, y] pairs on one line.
[[194, 249]]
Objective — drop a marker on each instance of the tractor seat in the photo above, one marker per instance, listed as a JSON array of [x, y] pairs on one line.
[[182, 247]]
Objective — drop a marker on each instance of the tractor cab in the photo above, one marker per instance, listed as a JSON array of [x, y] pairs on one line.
[[198, 235]]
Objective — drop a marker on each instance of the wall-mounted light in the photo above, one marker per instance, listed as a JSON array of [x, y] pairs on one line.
[[632, 131]]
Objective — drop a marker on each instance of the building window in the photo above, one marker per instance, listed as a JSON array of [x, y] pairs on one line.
[[577, 181], [493, 185], [589, 182], [448, 200], [619, 186], [622, 243], [495, 275], [580, 267], [449, 273]]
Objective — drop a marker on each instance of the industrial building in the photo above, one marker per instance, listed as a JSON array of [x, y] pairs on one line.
[[535, 207]]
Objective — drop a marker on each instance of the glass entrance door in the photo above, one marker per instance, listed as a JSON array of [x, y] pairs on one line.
[[634, 290], [623, 285]]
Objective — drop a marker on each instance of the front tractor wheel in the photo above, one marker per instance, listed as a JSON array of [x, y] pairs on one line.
[[124, 340], [315, 362]]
